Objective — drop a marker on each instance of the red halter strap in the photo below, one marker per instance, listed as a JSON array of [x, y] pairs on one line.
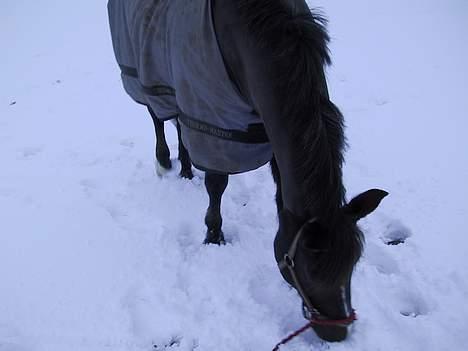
[[328, 322]]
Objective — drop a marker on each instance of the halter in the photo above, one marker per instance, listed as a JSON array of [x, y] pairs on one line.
[[310, 312]]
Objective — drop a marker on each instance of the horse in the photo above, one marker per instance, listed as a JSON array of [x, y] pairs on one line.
[[208, 65]]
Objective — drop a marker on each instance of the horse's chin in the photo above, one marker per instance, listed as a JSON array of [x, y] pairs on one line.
[[331, 333]]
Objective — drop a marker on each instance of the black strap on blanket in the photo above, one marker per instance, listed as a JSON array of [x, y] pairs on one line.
[[255, 133], [155, 90]]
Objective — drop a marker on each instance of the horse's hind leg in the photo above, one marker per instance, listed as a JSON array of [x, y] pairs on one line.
[[162, 150], [184, 158], [215, 185]]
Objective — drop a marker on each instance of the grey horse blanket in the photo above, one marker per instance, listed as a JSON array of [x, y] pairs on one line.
[[170, 60]]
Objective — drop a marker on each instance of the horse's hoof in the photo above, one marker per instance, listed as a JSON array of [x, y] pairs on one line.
[[163, 168], [165, 162], [214, 237], [186, 174]]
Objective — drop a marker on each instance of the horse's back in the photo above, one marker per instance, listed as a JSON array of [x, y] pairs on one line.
[[170, 60]]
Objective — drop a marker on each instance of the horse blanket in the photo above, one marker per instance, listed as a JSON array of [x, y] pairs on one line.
[[170, 60]]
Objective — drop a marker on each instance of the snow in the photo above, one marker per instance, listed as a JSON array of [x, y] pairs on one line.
[[98, 253]]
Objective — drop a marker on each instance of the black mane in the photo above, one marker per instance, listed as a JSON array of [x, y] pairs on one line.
[[298, 43]]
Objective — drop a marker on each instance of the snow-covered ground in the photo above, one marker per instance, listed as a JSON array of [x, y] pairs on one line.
[[97, 253]]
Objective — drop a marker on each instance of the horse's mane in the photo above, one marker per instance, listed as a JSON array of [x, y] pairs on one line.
[[298, 43]]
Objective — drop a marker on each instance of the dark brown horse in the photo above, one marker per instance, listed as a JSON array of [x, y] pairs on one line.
[[274, 52]]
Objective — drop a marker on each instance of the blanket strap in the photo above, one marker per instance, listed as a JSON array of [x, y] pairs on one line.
[[255, 133]]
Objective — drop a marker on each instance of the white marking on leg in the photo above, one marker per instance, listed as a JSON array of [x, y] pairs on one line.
[[160, 170]]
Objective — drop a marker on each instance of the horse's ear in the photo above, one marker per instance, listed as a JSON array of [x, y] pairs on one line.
[[365, 203]]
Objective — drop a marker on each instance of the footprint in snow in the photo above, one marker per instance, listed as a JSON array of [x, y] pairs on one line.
[[176, 343], [88, 186], [9, 339], [381, 102], [411, 303], [115, 212], [171, 344], [242, 195], [6, 346], [381, 260], [396, 233], [408, 300], [406, 297], [28, 153], [128, 143]]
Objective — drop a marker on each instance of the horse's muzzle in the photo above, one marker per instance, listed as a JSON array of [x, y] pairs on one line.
[[331, 333]]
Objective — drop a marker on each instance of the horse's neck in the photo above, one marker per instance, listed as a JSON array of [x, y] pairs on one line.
[[253, 70]]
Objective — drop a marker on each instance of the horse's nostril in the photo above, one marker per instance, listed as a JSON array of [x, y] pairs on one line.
[[331, 333]]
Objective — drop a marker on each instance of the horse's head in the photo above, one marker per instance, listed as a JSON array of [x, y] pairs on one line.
[[318, 260]]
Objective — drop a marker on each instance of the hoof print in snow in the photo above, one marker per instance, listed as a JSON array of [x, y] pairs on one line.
[[381, 260], [396, 233], [381, 102], [411, 303], [128, 143], [414, 313], [173, 343], [30, 152], [409, 314], [395, 242]]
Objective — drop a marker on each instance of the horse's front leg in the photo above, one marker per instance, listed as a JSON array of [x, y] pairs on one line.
[[215, 185], [163, 160]]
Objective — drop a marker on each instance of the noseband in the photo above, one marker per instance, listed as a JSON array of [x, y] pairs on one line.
[[309, 311]]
